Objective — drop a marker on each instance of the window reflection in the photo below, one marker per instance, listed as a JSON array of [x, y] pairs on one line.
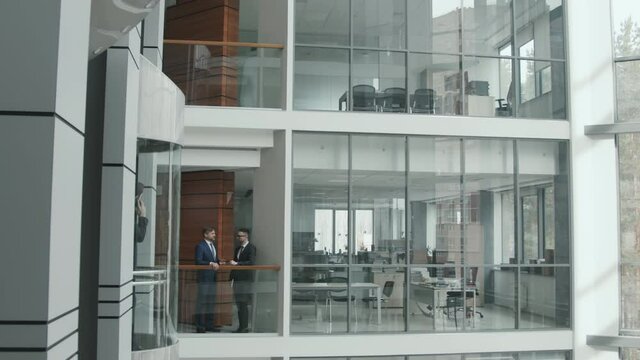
[[447, 221], [498, 74]]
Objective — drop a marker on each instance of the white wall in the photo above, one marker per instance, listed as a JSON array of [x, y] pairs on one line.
[[594, 204]]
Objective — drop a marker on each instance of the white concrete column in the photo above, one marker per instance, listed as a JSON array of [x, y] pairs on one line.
[[153, 35], [271, 229], [43, 80], [595, 222], [115, 297]]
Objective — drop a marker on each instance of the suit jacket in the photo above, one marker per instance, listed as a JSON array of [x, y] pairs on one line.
[[247, 257], [204, 256]]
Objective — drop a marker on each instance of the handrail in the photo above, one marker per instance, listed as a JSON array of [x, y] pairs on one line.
[[144, 283], [149, 272], [231, 267], [223, 43]]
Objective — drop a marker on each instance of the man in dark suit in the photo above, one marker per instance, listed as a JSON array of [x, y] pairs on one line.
[[206, 254], [245, 254]]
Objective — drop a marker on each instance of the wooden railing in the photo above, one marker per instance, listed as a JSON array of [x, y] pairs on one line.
[[223, 43]]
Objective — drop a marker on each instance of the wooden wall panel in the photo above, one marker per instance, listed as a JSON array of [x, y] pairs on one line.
[[207, 199], [214, 20]]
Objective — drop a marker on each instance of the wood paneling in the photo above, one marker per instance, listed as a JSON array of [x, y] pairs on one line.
[[216, 20], [207, 199]]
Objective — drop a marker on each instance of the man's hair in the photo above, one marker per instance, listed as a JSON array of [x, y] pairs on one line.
[[244, 230], [207, 229]]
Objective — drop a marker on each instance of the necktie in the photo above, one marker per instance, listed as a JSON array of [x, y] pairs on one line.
[[240, 251], [213, 250]]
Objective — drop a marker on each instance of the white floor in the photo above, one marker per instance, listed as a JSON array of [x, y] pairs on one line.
[[493, 318]]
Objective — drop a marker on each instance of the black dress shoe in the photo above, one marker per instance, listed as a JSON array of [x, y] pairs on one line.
[[245, 330], [213, 330], [200, 330]]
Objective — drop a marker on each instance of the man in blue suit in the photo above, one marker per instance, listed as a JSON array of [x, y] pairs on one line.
[[206, 254]]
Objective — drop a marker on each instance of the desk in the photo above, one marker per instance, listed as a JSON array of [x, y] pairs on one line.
[[342, 286], [378, 101], [436, 297]]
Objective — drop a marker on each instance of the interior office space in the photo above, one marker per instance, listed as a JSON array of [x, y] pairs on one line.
[[422, 179]]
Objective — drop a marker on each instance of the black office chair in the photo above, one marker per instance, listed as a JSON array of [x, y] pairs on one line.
[[394, 100], [505, 105], [339, 296], [364, 98], [387, 290], [456, 299], [424, 101]]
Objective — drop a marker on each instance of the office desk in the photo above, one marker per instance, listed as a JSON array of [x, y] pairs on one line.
[[436, 297], [378, 101], [325, 287]]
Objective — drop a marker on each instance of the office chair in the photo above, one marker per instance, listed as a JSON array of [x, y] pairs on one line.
[[394, 100], [456, 299], [424, 101], [505, 105], [364, 98], [338, 296], [387, 290], [304, 297]]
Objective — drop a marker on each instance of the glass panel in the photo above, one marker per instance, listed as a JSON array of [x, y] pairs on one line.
[[542, 90], [530, 228], [429, 306], [151, 246], [488, 174], [630, 297], [434, 84], [495, 300], [379, 24], [629, 197], [483, 81], [629, 354], [379, 81], [506, 88], [487, 26], [235, 76], [544, 297], [379, 298], [627, 91], [434, 25], [540, 21], [507, 228], [378, 193], [320, 189], [262, 301], [626, 17], [543, 178], [322, 22], [155, 253], [174, 247], [434, 200], [321, 78], [319, 299]]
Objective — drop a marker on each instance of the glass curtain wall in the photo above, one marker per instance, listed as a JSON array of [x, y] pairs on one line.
[[445, 57], [156, 236], [626, 45], [428, 234]]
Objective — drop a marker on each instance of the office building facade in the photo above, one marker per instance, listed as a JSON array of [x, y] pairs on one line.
[[422, 179]]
